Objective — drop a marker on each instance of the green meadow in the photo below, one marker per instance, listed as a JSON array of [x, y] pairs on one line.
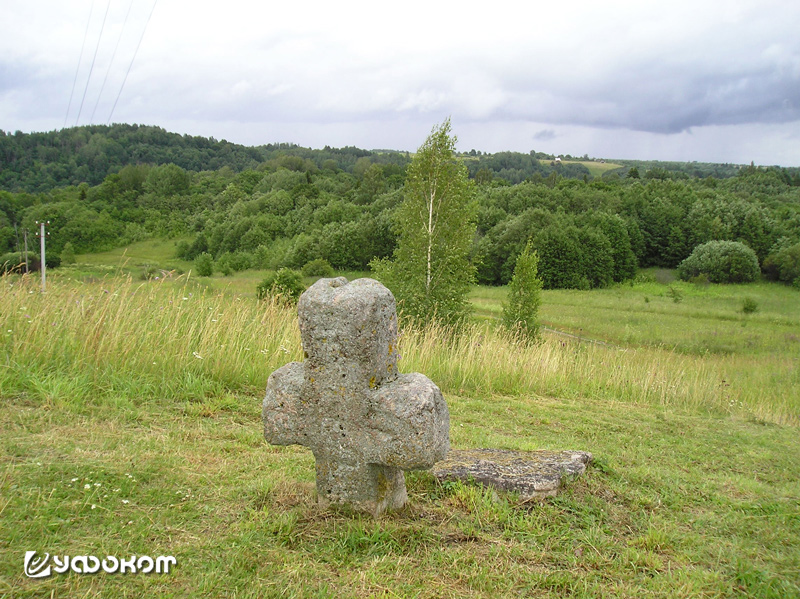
[[131, 425]]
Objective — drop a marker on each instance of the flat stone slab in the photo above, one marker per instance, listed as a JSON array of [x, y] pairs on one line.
[[532, 474]]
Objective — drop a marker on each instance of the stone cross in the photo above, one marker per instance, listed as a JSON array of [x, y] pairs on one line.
[[364, 422]]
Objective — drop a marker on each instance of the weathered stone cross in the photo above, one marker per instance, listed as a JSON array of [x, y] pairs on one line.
[[364, 422]]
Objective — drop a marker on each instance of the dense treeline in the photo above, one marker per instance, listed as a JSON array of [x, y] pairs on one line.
[[287, 206], [39, 162]]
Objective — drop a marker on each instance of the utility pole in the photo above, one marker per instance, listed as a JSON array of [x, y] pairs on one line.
[[42, 235]]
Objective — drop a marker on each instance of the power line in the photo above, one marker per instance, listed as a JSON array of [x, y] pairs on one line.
[[111, 63], [131, 63], [80, 60], [97, 47]]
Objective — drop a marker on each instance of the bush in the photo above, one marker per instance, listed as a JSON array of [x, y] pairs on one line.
[[15, 262], [68, 254], [784, 265], [317, 268], [700, 280], [286, 283], [675, 293], [721, 262], [204, 264], [749, 305]]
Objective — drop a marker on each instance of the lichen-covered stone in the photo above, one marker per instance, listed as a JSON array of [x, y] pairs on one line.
[[364, 422], [529, 473]]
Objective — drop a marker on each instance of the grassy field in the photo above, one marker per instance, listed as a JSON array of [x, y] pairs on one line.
[[596, 169], [131, 425]]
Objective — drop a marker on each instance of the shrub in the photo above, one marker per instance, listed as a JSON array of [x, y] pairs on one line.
[[700, 280], [68, 254], [149, 272], [224, 264], [784, 265], [749, 305], [15, 262], [286, 283], [241, 261], [204, 264], [721, 262], [317, 268], [675, 293], [524, 296]]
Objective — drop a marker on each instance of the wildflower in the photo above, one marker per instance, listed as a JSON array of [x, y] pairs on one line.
[[125, 501], [196, 355], [93, 506], [87, 486], [96, 484], [74, 480]]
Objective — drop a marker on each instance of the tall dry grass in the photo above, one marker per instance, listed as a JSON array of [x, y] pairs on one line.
[[139, 340], [486, 361], [124, 339]]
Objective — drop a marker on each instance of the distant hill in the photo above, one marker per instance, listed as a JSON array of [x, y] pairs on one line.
[[40, 162]]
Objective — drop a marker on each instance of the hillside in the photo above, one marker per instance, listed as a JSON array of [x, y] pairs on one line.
[[41, 162], [283, 206]]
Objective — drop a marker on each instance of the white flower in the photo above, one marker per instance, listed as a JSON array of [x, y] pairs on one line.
[[196, 355], [125, 501], [93, 506], [87, 486], [74, 480]]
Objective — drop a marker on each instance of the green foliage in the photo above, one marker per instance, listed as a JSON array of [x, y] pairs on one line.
[[68, 254], [521, 309], [675, 293], [749, 305], [784, 264], [15, 262], [318, 267], [286, 284], [573, 258], [722, 262], [431, 272], [281, 205], [204, 264]]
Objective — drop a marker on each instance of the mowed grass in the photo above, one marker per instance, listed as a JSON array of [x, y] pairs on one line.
[[149, 393]]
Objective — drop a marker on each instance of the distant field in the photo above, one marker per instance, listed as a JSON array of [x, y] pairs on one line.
[[136, 259], [136, 256], [596, 169]]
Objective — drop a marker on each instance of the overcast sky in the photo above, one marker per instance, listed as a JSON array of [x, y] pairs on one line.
[[700, 80]]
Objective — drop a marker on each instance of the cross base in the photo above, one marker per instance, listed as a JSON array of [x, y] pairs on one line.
[[371, 488]]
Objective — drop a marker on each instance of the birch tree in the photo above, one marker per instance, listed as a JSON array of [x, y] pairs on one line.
[[431, 272]]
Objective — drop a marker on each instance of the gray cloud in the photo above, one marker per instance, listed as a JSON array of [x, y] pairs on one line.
[[380, 78], [545, 135]]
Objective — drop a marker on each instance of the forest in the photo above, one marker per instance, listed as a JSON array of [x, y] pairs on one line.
[[281, 205]]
